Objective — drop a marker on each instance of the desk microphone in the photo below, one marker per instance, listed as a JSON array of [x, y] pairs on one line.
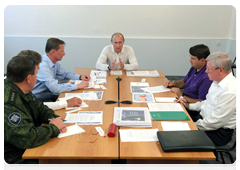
[[123, 102]]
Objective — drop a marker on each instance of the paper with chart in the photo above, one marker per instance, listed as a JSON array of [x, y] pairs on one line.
[[94, 95], [97, 73], [132, 117], [136, 87], [155, 89], [143, 97], [85, 117], [153, 73], [138, 135]]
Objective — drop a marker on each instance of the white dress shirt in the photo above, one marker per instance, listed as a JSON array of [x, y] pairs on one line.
[[108, 56], [56, 105], [219, 108]]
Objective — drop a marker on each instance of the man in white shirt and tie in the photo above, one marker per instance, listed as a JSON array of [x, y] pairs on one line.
[[218, 112], [117, 56]]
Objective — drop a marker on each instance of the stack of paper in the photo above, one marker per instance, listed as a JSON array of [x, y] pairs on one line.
[[143, 73], [132, 117]]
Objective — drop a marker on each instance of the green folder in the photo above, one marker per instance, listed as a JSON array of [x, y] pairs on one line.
[[169, 115]]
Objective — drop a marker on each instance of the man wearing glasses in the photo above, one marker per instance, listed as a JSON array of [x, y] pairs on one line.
[[218, 112]]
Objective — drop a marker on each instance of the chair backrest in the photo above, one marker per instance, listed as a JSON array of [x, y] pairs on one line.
[[235, 143]]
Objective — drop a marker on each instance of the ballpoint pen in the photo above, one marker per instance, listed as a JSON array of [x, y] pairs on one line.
[[53, 118]]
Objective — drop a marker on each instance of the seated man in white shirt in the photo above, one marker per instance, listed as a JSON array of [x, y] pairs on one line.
[[117, 56], [218, 112], [58, 104]]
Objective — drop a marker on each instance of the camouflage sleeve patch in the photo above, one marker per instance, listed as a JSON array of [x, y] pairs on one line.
[[14, 118]]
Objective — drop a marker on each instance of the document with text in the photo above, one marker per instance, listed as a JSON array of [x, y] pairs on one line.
[[138, 135]]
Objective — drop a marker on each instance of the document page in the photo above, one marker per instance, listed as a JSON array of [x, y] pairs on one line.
[[85, 117], [156, 89], [153, 73], [98, 73], [165, 99], [165, 107], [143, 97], [136, 87], [71, 130], [138, 135], [175, 126]]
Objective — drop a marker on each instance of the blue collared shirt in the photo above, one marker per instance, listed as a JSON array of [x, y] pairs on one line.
[[46, 78]]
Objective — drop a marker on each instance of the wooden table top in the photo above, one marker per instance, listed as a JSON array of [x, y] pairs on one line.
[[153, 150], [108, 148]]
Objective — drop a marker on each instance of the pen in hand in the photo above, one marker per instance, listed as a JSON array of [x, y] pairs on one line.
[[53, 118]]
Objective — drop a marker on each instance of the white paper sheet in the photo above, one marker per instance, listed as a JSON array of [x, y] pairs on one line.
[[71, 130], [165, 99], [153, 73], [98, 73], [138, 135], [165, 107], [175, 126], [116, 72], [156, 89]]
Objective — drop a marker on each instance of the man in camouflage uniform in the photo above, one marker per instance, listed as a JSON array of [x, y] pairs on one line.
[[24, 113]]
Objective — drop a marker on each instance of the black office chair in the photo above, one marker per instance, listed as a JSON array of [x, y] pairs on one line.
[[233, 65], [225, 149]]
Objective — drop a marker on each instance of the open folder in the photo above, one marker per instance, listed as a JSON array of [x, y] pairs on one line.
[[180, 141]]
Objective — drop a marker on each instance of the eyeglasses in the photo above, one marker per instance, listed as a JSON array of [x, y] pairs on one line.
[[212, 69]]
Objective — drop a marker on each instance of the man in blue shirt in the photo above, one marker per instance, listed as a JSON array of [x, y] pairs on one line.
[[47, 88]]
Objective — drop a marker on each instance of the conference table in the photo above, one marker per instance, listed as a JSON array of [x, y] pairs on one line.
[[91, 148]]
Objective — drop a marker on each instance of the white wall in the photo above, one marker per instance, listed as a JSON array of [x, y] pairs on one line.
[[160, 35]]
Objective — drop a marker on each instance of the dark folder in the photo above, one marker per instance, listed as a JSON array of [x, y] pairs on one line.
[[180, 141]]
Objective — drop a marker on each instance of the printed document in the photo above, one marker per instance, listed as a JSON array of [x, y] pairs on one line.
[[136, 87], [85, 117], [71, 130], [165, 107], [153, 73], [156, 89], [175, 126], [143, 97], [138, 135], [165, 99]]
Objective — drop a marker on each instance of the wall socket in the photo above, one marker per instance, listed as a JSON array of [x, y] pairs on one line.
[[219, 43]]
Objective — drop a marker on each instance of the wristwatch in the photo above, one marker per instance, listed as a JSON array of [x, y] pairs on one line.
[[109, 67], [80, 77]]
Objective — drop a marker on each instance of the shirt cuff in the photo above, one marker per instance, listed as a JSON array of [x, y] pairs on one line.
[[62, 103], [192, 107]]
